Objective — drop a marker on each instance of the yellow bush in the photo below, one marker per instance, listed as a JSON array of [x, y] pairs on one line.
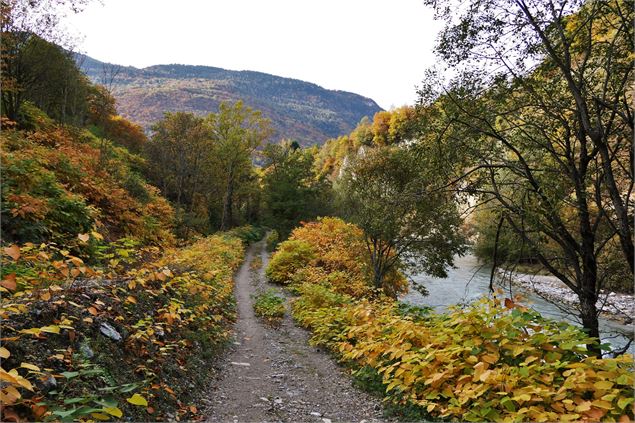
[[482, 363], [292, 256]]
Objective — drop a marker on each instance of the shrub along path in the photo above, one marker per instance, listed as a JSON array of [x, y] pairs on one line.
[[273, 374]]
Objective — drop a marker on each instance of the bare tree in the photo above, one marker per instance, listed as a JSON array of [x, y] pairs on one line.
[[109, 73]]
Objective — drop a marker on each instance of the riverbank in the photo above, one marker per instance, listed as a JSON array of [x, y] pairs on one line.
[[614, 306], [486, 361]]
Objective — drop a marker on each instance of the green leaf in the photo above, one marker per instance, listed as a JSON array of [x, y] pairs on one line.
[[64, 413], [622, 403], [75, 400], [137, 399], [623, 380], [128, 387], [508, 404], [70, 375], [107, 403]]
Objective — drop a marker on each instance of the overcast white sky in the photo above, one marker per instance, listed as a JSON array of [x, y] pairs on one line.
[[376, 48]]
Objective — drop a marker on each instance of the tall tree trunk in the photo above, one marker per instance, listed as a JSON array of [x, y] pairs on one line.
[[227, 219], [589, 315]]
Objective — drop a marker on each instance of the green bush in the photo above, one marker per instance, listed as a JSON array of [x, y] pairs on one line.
[[248, 234], [272, 240], [292, 256], [269, 306]]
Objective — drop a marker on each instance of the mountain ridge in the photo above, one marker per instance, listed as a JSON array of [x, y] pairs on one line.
[[300, 110]]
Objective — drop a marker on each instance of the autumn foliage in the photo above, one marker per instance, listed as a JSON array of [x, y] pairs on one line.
[[61, 181], [328, 251], [81, 343], [489, 361]]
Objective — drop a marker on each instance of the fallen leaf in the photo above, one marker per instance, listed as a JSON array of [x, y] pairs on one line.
[[9, 395], [30, 366], [13, 252], [113, 411], [4, 353], [84, 238], [51, 329], [92, 310], [137, 399], [9, 282]]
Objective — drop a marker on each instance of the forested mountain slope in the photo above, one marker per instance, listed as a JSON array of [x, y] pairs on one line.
[[299, 110]]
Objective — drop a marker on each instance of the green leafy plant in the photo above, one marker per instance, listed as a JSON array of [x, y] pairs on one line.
[[269, 306]]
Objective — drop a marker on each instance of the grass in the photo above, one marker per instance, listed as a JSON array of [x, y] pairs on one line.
[[269, 306]]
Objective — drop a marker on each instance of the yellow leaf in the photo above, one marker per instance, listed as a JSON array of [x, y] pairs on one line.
[[131, 299], [602, 404], [490, 358], [8, 377], [20, 380], [137, 399], [50, 329], [9, 395], [100, 416], [45, 296], [76, 261], [603, 384], [113, 411], [4, 353], [30, 366]]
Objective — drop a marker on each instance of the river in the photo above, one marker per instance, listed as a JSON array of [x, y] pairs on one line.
[[470, 280]]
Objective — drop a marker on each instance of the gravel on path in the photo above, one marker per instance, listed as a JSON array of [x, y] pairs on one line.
[[272, 374]]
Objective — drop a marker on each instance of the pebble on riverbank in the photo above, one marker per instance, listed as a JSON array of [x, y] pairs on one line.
[[617, 307]]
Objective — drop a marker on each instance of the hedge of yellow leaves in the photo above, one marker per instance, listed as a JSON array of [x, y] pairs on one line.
[[170, 313], [329, 249], [490, 361]]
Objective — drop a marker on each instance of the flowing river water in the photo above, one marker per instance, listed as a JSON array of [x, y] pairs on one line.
[[469, 280]]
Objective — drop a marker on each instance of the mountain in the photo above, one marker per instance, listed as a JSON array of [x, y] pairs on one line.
[[299, 110]]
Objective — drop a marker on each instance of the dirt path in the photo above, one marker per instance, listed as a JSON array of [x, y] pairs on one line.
[[272, 374]]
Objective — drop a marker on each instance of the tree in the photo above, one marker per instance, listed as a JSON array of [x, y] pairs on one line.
[[386, 192], [180, 163], [30, 32], [292, 191], [548, 127], [236, 131]]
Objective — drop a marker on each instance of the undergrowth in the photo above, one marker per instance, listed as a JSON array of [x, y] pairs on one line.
[[269, 306], [493, 360]]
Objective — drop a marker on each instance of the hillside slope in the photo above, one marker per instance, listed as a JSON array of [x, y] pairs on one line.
[[299, 110]]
